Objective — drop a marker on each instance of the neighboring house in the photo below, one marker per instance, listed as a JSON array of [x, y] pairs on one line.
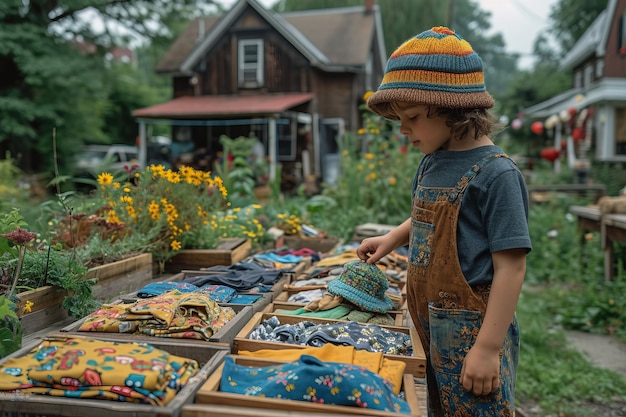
[[293, 80], [598, 65]]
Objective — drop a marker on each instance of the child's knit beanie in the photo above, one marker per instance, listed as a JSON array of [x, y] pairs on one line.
[[434, 68]]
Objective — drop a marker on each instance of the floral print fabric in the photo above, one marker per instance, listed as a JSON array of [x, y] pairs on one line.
[[309, 379], [370, 337], [87, 368]]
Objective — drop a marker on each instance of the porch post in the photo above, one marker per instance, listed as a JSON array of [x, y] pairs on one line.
[[273, 147], [143, 148]]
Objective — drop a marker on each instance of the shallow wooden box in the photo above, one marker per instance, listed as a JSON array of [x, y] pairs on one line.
[[415, 364], [318, 244], [225, 335], [228, 252], [209, 356], [210, 395], [397, 315]]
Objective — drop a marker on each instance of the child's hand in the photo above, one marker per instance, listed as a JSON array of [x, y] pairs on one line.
[[480, 374], [371, 249]]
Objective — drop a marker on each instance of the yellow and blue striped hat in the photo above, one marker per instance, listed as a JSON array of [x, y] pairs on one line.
[[437, 68]]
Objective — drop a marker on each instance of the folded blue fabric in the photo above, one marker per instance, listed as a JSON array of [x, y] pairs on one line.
[[245, 299], [274, 257], [157, 288], [218, 293], [312, 380]]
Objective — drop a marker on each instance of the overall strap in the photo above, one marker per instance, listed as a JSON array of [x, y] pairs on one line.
[[471, 173]]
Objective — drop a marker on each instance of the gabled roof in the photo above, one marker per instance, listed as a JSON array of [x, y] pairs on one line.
[[195, 107], [594, 39], [332, 39]]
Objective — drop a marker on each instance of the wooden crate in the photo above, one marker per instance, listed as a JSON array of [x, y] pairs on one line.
[[318, 244], [228, 252], [225, 335], [397, 315], [415, 364], [209, 395], [209, 356], [119, 277]]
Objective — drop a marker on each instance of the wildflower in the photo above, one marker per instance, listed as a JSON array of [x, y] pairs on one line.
[[368, 156], [28, 307], [367, 95], [105, 178], [392, 180], [20, 236]]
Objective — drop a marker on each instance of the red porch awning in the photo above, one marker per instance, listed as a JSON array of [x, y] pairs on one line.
[[197, 107]]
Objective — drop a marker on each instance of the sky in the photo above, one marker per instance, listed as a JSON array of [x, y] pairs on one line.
[[519, 21]]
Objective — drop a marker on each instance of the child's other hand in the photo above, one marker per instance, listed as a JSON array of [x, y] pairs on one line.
[[480, 374]]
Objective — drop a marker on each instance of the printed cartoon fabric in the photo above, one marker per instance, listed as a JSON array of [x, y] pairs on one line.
[[87, 368], [370, 337], [312, 380], [173, 314]]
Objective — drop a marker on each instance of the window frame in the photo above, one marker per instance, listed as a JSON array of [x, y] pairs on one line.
[[244, 67]]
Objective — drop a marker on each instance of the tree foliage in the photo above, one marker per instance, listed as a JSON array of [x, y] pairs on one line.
[[571, 18], [55, 78]]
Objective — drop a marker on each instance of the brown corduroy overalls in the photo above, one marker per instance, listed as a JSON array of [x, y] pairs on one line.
[[446, 310]]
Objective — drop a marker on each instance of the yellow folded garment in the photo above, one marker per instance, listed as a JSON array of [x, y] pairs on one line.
[[338, 260], [391, 370]]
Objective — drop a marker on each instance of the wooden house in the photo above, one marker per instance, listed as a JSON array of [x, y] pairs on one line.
[[596, 102], [293, 80]]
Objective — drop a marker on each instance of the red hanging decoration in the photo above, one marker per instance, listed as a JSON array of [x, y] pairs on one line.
[[537, 127], [578, 133], [550, 154]]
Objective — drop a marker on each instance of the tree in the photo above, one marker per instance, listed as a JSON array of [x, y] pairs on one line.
[[571, 18], [54, 77]]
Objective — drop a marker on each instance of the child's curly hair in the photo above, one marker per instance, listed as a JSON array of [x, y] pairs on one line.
[[464, 122]]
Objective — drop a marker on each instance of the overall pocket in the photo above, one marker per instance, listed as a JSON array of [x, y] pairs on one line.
[[422, 235]]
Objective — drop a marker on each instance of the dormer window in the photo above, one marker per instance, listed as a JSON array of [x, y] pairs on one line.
[[250, 63]]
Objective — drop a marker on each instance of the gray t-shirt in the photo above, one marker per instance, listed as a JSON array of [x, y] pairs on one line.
[[494, 209]]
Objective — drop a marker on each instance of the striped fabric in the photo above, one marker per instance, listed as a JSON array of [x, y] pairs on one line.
[[436, 67]]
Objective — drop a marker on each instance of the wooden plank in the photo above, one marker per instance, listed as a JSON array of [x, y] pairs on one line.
[[229, 252], [114, 270], [42, 297], [42, 319]]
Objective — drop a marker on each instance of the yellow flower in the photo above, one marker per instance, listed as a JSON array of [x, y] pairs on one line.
[[28, 307], [360, 131], [105, 178], [176, 245], [368, 156], [367, 95], [392, 180]]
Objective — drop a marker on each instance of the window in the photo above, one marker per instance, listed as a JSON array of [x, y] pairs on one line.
[[250, 63], [599, 68], [578, 79]]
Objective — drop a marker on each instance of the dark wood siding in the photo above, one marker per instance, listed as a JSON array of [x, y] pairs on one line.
[[615, 63], [337, 97]]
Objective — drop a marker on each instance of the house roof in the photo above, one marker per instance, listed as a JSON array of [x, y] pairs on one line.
[[196, 107], [320, 35], [593, 40]]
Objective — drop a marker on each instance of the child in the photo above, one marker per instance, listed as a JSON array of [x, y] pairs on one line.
[[468, 231]]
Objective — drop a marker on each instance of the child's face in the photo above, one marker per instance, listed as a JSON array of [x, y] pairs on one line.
[[426, 133]]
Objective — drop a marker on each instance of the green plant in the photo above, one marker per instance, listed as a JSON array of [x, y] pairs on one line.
[[30, 263]]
